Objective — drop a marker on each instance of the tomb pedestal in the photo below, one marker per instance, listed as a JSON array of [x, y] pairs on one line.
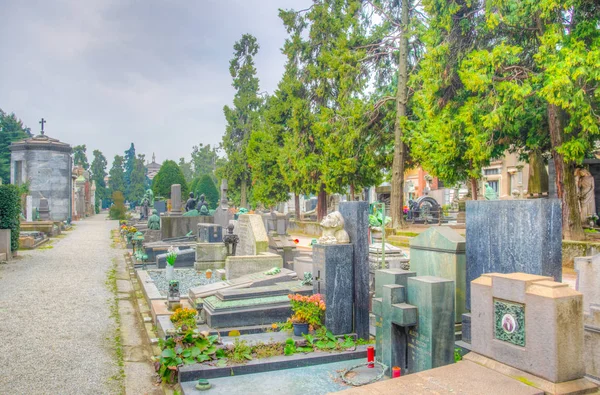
[[210, 256], [210, 233], [333, 278]]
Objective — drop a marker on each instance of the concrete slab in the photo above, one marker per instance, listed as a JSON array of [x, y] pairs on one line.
[[313, 380], [139, 379], [464, 377]]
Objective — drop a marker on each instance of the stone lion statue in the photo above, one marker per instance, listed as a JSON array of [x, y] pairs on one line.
[[333, 229]]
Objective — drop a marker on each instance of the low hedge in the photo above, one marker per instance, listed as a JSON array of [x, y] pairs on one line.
[[10, 211]]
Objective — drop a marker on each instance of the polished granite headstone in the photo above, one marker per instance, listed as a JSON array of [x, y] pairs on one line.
[[506, 236], [440, 252], [415, 320], [356, 219], [185, 258], [333, 278]]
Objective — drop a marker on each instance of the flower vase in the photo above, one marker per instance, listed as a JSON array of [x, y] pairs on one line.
[[170, 270], [300, 329]]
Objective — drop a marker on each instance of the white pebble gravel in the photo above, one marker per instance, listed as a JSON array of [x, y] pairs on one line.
[[55, 325]]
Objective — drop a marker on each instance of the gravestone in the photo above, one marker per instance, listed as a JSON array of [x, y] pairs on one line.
[[210, 256], [252, 233], [29, 208], [333, 278], [588, 283], [234, 308], [415, 320], [44, 209], [530, 323], [5, 247], [238, 266], [356, 223], [440, 252], [175, 200], [185, 258], [588, 280], [210, 233], [507, 236], [160, 206], [222, 214]]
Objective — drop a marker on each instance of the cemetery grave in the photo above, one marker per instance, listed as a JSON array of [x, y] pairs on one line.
[[237, 283]]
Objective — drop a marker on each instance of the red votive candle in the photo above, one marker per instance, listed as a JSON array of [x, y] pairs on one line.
[[370, 356], [396, 372]]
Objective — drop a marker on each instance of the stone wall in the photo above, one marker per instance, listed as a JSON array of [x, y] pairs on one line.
[[572, 249]]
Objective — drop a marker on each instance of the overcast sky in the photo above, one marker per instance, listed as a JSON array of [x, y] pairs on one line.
[[106, 73]]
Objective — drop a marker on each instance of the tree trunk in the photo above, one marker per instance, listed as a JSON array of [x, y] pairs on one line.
[[321, 203], [474, 188], [243, 201], [566, 189], [351, 192], [397, 199], [297, 206]]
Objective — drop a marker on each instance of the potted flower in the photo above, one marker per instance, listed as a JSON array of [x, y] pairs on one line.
[[377, 224], [308, 311], [171, 257], [593, 219]]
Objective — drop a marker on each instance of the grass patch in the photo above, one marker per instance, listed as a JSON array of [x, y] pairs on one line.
[[117, 340], [407, 234], [46, 246], [525, 381]]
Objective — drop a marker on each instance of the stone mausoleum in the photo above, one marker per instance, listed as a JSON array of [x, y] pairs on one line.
[[46, 163]]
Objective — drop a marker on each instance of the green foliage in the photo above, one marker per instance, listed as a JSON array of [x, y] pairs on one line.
[[117, 210], [240, 352], [186, 168], [185, 348], [11, 129], [205, 185], [242, 117], [205, 160], [457, 355], [98, 170], [290, 347], [169, 174], [128, 167], [117, 176], [80, 156], [137, 180], [10, 211]]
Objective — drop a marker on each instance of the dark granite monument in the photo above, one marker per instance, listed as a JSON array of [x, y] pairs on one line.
[[415, 320], [506, 236], [356, 219], [333, 275], [210, 233]]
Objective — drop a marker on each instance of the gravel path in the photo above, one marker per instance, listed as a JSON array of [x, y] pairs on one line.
[[56, 332]]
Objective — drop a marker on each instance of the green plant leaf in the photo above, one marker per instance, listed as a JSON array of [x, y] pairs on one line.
[[289, 349], [220, 353], [189, 361], [202, 358], [195, 351], [168, 353]]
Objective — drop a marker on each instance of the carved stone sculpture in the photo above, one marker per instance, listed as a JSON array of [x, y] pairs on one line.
[[154, 221], [585, 189], [202, 206], [333, 229], [191, 203]]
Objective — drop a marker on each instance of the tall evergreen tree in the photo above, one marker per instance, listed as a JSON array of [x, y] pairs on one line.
[[137, 186], [242, 116], [80, 156], [11, 129], [98, 169], [204, 158], [129, 166], [168, 175], [117, 175], [186, 168]]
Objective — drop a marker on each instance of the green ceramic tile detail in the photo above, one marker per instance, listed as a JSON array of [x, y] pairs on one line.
[[510, 322]]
